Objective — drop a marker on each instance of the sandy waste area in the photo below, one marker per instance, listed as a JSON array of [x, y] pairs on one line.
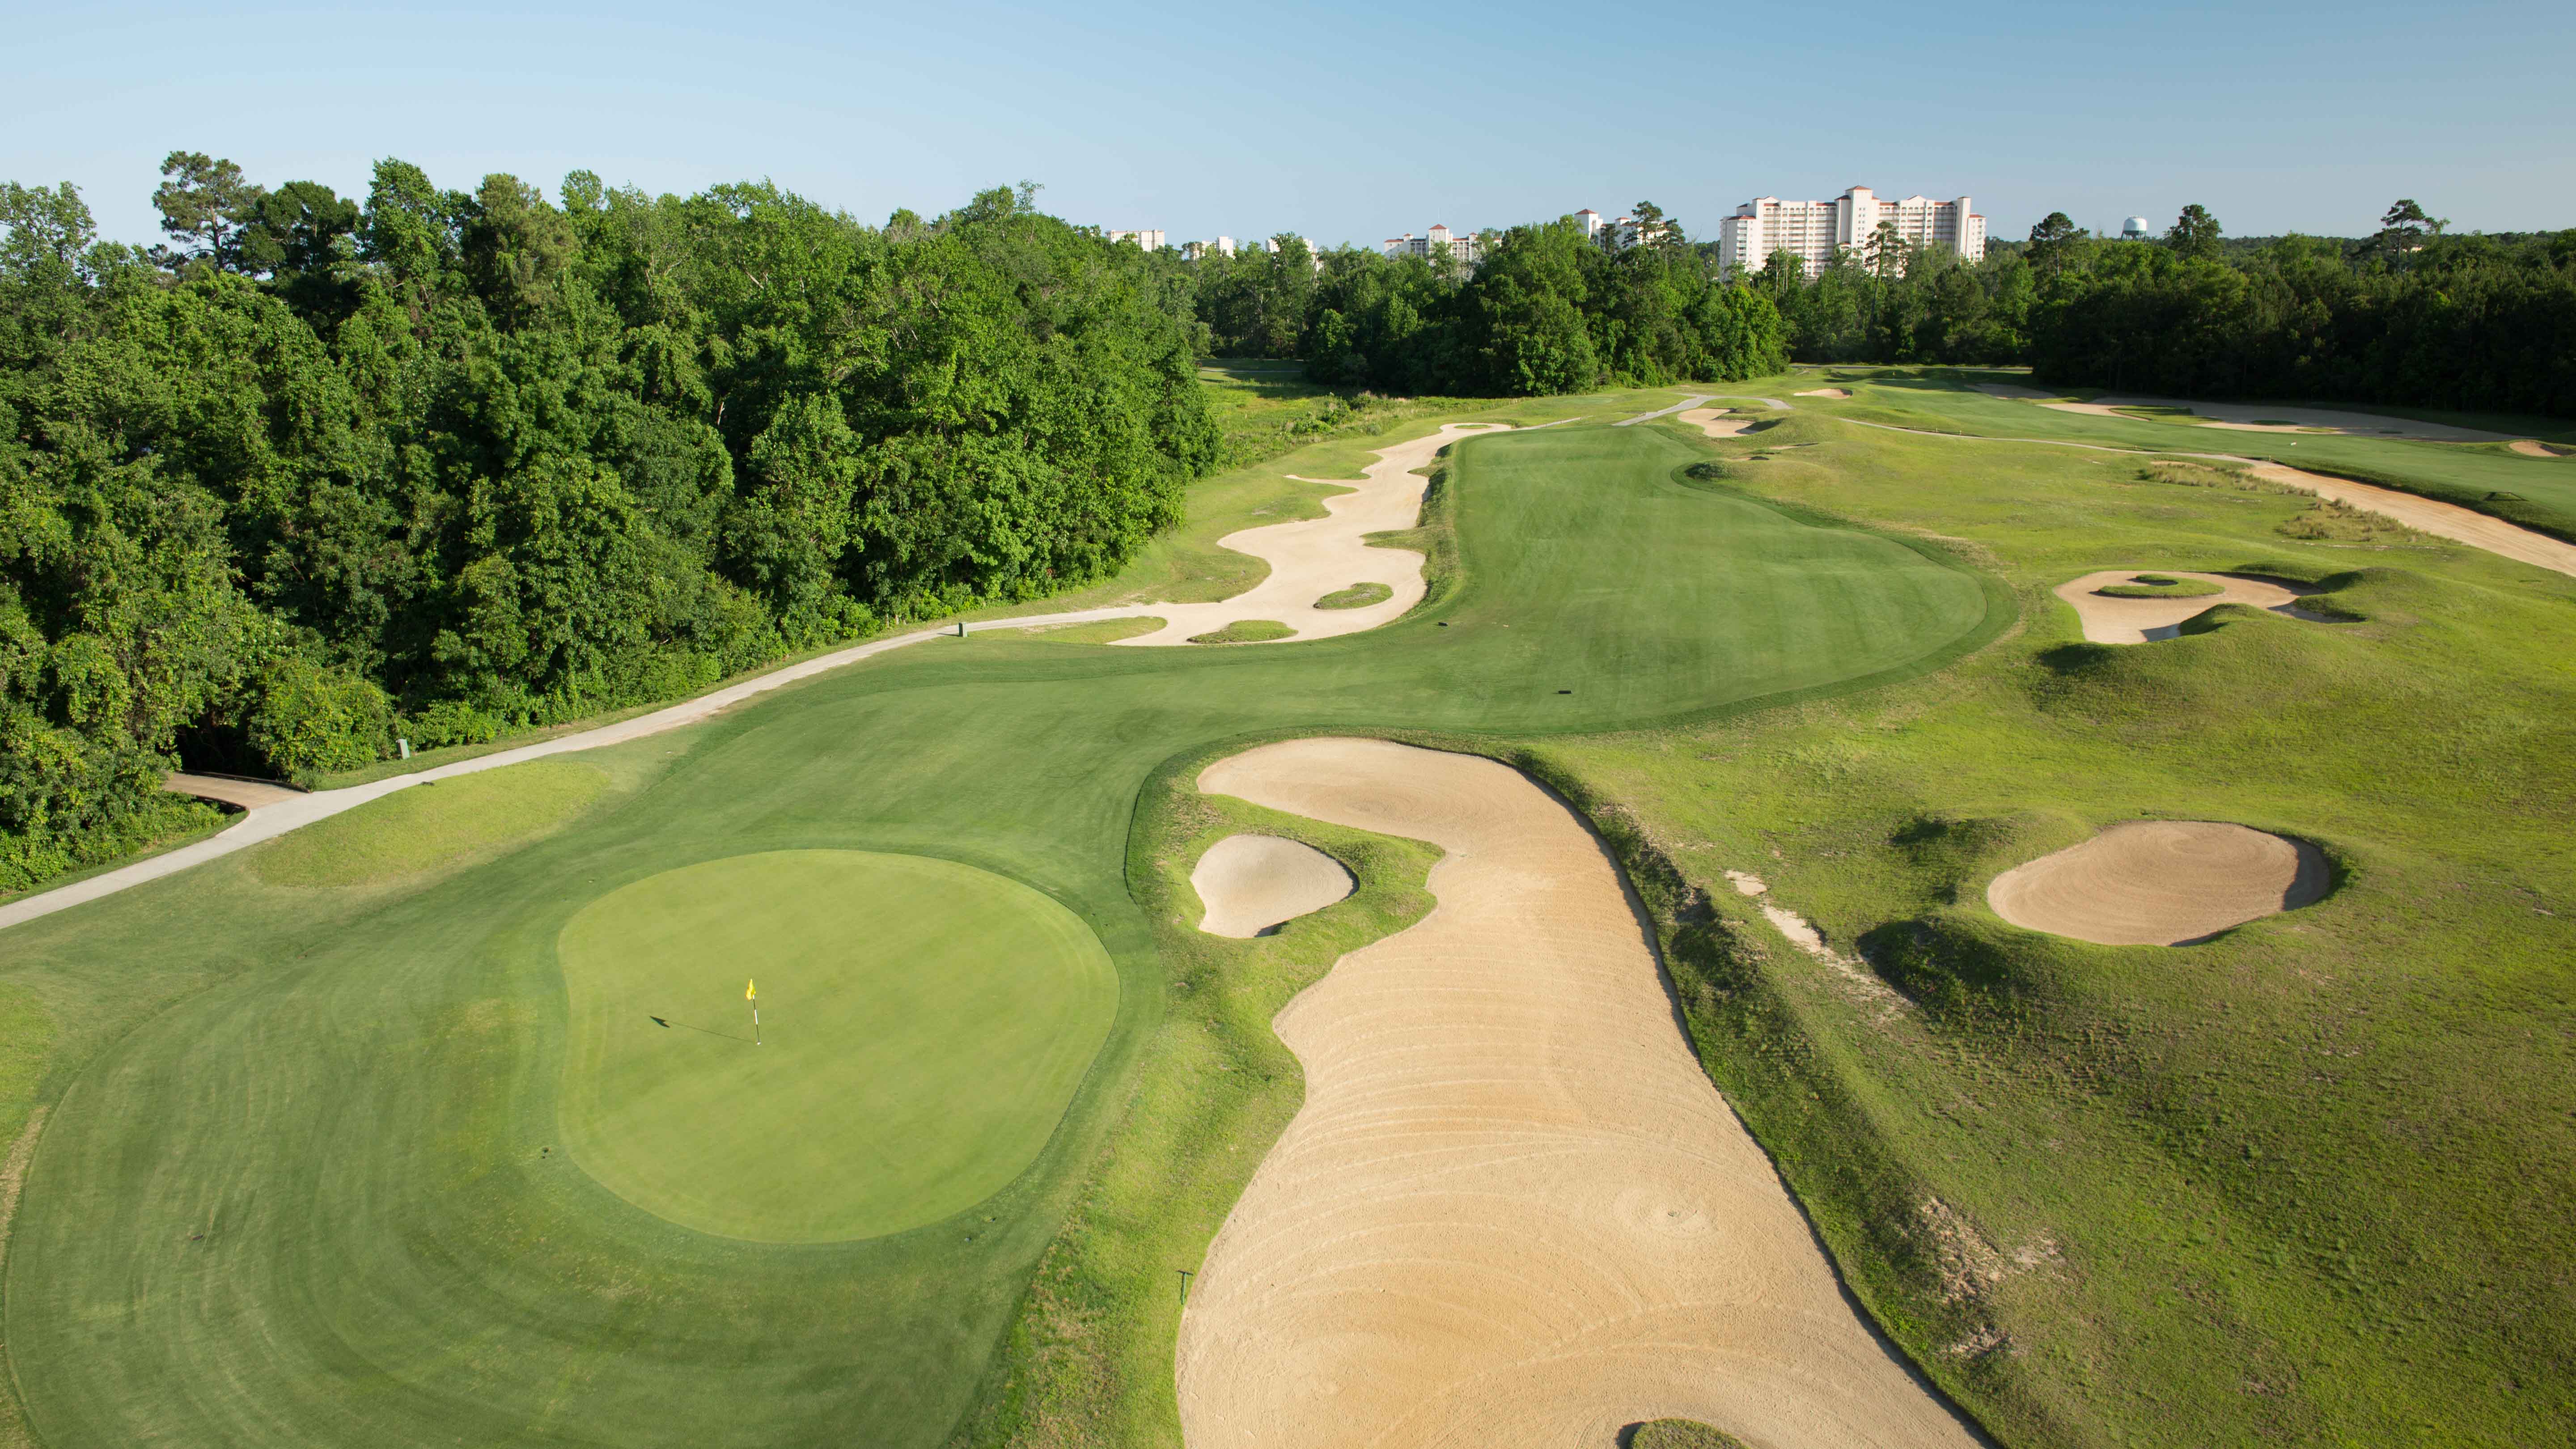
[[1250, 883], [2160, 883], [1314, 557], [2138, 621], [2426, 515], [1512, 1211]]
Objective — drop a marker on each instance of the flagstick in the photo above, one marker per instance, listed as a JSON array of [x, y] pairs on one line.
[[755, 1023]]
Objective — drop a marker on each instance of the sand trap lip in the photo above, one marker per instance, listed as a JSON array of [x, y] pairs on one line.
[[2161, 883], [1253, 883], [2141, 621], [1823, 392], [1513, 1210]]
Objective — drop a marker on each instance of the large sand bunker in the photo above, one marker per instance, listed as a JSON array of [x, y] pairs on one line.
[[2426, 515], [2137, 621], [1715, 423], [1824, 392], [2160, 883], [1512, 1211], [1250, 883], [2534, 448], [1314, 557]]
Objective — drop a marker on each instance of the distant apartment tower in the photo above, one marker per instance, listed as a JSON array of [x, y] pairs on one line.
[[1151, 241], [1193, 251], [1813, 231], [1466, 249]]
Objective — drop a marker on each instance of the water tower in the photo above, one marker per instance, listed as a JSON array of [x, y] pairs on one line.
[[2134, 229]]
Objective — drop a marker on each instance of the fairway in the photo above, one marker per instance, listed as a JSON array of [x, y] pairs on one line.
[[925, 1024]]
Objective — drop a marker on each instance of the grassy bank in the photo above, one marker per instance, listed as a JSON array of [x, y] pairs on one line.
[[2305, 1184]]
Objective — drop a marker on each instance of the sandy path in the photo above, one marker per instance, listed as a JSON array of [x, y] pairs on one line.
[[1512, 1210], [1250, 883], [2138, 621], [2160, 883], [2424, 515], [248, 794], [1314, 557], [1715, 423]]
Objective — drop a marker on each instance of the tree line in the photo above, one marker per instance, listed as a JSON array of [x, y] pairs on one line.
[[2412, 315], [1547, 310], [319, 472]]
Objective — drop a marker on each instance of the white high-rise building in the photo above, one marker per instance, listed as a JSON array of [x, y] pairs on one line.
[[1151, 240], [1466, 249], [1814, 231]]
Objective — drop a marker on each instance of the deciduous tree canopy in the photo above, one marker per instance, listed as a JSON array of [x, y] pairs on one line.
[[445, 463]]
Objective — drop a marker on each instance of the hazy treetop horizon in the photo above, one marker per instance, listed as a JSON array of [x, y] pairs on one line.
[[1340, 122]]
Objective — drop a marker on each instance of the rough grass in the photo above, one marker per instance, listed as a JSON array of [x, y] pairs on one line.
[[1677, 1434], [2309, 1183], [1357, 596], [1246, 631], [432, 827], [2152, 586]]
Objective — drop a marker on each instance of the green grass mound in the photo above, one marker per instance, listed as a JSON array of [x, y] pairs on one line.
[[924, 1025], [1098, 631], [2158, 586], [1357, 596], [432, 826], [1246, 631], [1677, 1434]]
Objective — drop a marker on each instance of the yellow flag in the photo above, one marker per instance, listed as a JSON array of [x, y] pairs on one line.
[[750, 992]]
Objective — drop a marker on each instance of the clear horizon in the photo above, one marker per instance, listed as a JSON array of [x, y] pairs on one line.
[[1339, 123]]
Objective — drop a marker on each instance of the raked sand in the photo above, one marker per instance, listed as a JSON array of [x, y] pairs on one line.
[[2160, 883], [1512, 1211], [1250, 883], [1314, 557], [2137, 621]]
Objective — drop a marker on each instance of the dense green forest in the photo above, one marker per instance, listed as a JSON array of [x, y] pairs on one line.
[[1546, 311], [324, 472], [2410, 316]]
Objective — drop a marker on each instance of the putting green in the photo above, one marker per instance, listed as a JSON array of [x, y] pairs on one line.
[[923, 1024]]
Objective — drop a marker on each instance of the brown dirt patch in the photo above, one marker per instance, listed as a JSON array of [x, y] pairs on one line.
[[2160, 883], [1250, 883], [1513, 1210]]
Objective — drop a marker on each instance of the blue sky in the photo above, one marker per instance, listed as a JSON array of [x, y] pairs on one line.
[[1341, 122]]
